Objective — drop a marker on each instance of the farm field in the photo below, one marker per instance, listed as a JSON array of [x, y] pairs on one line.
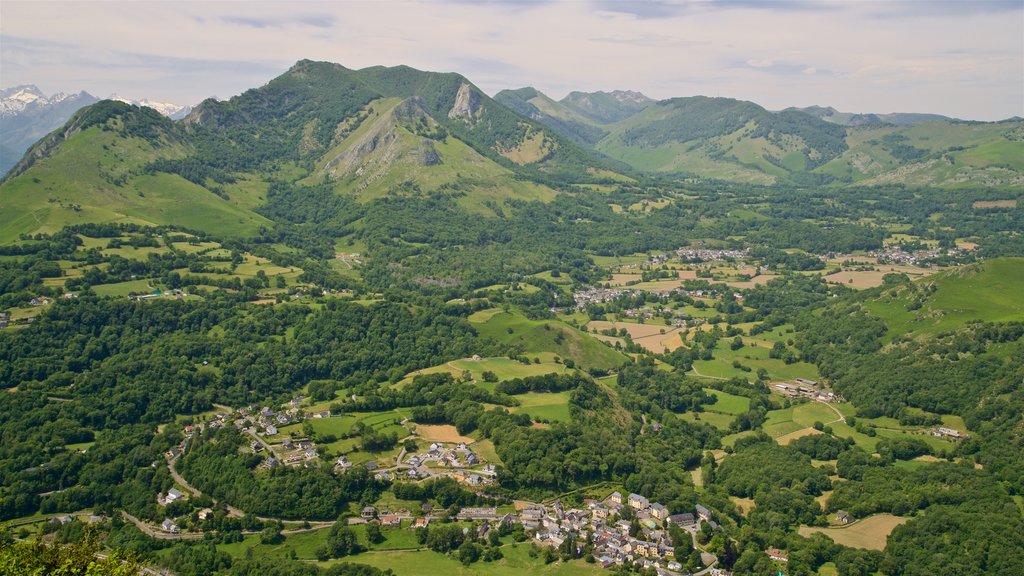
[[862, 279], [870, 532], [780, 423], [545, 406], [753, 356], [502, 367], [515, 563], [654, 337], [441, 433]]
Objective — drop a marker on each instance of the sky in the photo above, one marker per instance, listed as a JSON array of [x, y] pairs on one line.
[[959, 58]]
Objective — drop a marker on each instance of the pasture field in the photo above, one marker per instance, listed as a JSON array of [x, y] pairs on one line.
[[720, 421], [787, 438], [548, 406], [870, 532], [727, 403], [754, 356], [502, 367], [862, 279], [427, 563], [780, 423], [124, 288], [655, 337]]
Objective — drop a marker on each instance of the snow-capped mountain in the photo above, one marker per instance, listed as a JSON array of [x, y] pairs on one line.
[[172, 111], [25, 98]]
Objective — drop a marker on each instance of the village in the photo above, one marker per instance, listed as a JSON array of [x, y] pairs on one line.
[[621, 530]]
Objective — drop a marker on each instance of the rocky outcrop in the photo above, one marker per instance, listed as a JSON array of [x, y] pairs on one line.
[[467, 105]]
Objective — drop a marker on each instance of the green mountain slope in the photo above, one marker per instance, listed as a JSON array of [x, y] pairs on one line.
[[830, 114], [94, 169], [986, 292], [723, 138], [536, 105], [967, 154]]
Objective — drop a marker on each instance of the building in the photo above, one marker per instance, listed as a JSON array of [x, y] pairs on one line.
[[638, 502], [703, 513], [777, 555], [616, 498], [844, 517], [686, 519], [173, 495], [369, 512], [168, 525], [659, 511]]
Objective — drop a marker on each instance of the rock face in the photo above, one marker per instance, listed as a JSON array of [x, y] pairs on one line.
[[467, 105], [391, 138]]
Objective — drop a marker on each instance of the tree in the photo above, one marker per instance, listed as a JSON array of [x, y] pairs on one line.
[[373, 533]]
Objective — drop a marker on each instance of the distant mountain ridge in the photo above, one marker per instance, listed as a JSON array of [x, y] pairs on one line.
[[736, 140], [830, 114]]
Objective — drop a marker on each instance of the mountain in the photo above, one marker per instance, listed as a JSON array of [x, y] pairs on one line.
[[27, 114], [535, 105], [830, 114], [723, 138], [735, 140], [367, 133], [606, 107], [172, 111]]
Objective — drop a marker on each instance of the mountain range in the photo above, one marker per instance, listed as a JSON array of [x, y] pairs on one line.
[[366, 134], [27, 114]]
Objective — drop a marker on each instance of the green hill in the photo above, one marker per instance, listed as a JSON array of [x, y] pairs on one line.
[[723, 138], [547, 337], [94, 170], [989, 292]]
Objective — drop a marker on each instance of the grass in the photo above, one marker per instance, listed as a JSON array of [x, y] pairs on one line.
[[727, 403], [73, 185], [753, 355], [547, 406], [123, 288], [517, 561], [987, 291], [551, 336], [779, 423], [870, 533], [720, 421]]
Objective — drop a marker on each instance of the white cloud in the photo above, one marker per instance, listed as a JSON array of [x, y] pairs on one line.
[[854, 56]]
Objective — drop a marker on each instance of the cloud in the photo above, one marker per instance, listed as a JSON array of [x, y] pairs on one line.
[[857, 56], [310, 20]]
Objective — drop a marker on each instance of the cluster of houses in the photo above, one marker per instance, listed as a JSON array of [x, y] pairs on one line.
[[710, 255], [613, 543], [456, 459], [590, 296], [803, 388], [896, 254]]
